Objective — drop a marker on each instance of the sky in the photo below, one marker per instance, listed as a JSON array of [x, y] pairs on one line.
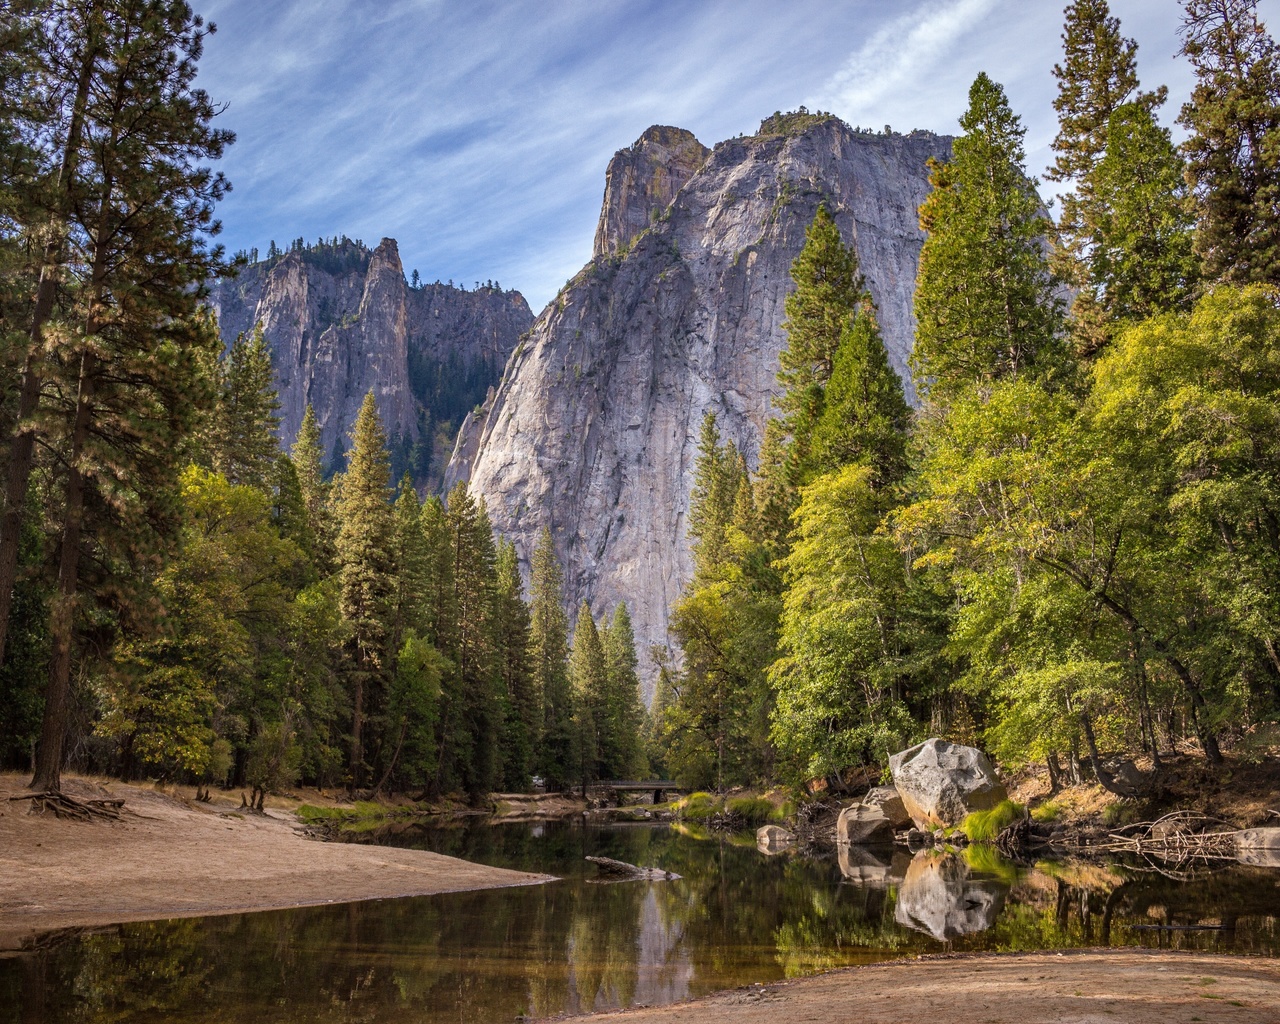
[[477, 132]]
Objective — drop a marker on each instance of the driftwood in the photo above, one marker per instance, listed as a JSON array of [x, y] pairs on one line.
[[621, 869], [1181, 838], [66, 807]]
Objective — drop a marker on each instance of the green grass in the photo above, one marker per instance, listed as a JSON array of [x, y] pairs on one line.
[[698, 806], [756, 810], [363, 816], [1046, 812], [1120, 813], [984, 826]]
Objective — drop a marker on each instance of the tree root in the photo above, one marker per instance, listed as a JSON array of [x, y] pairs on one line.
[[64, 806]]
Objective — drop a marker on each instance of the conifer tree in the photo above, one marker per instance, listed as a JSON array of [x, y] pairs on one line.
[[984, 296], [865, 416], [307, 456], [590, 680], [522, 712], [412, 562], [143, 212], [366, 568], [1233, 149], [715, 486], [549, 648], [828, 290], [244, 441], [625, 713]]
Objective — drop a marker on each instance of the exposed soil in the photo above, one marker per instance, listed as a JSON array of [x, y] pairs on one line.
[[171, 857], [1091, 986]]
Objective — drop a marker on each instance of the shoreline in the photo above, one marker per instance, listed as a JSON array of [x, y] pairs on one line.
[[1134, 985], [169, 858]]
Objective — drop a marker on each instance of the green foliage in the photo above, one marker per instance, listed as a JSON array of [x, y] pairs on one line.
[[698, 806], [984, 826], [243, 430], [549, 649], [755, 810], [1046, 812], [984, 296], [794, 122]]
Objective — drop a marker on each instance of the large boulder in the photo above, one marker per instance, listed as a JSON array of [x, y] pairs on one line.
[[888, 800], [860, 824], [942, 897], [875, 869], [1259, 847], [940, 782]]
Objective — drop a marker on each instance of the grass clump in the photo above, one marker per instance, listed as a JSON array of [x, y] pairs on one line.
[[1120, 813], [984, 826], [362, 816], [755, 810], [1046, 812], [698, 806]]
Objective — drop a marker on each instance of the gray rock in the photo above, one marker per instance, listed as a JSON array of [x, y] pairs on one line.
[[641, 182], [773, 839], [345, 321], [941, 782], [942, 897], [863, 824], [593, 431], [1259, 847], [887, 799], [873, 868]]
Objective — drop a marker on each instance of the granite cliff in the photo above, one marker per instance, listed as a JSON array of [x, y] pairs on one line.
[[341, 318], [593, 430]]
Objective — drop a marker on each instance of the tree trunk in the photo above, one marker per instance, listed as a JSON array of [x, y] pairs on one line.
[[53, 729], [1104, 777], [1055, 772], [357, 730], [22, 448]]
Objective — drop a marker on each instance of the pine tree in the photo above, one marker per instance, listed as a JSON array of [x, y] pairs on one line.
[[590, 680], [828, 291], [984, 296], [715, 486], [308, 462], [243, 438], [625, 713], [143, 208], [865, 416], [549, 648], [522, 711], [1233, 152], [366, 569], [412, 561]]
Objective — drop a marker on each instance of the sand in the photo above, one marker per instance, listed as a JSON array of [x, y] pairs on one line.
[[1131, 986], [168, 857]]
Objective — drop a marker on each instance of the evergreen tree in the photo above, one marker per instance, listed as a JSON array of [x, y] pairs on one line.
[[828, 290], [715, 486], [308, 462], [412, 557], [623, 752], [244, 442], [1233, 149], [143, 214], [590, 679], [984, 296], [549, 648], [865, 416], [522, 711], [366, 568]]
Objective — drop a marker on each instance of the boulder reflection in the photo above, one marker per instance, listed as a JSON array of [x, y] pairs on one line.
[[942, 896]]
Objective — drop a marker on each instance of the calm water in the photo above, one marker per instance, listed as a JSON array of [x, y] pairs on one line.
[[736, 917]]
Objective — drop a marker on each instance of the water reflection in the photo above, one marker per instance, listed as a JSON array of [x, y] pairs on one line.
[[943, 897], [735, 917]]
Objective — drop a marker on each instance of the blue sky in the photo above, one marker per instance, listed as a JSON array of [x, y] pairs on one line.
[[477, 132]]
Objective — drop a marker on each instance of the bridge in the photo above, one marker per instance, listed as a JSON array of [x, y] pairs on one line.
[[616, 790]]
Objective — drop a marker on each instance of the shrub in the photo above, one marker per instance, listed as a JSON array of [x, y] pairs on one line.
[[1120, 813], [698, 806], [1047, 811], [755, 810], [984, 826]]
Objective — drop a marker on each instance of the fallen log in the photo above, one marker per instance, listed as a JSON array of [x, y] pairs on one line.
[[64, 806], [621, 869]]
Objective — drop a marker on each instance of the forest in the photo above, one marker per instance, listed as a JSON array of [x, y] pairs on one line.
[[1071, 547]]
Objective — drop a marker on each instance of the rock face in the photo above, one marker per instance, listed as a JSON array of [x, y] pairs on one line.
[[941, 782], [942, 897], [341, 319], [641, 182], [594, 428]]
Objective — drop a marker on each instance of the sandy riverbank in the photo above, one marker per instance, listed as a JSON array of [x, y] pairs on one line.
[[170, 858], [1080, 987]]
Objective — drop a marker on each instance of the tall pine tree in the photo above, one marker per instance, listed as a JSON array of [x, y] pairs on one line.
[[549, 650], [243, 437]]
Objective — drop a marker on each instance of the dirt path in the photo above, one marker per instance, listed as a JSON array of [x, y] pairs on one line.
[[168, 858], [1085, 987]]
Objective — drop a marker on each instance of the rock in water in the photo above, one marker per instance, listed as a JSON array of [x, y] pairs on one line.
[[621, 869], [888, 800], [941, 782], [341, 319], [773, 839], [861, 824], [875, 869], [941, 896], [1259, 847], [594, 428]]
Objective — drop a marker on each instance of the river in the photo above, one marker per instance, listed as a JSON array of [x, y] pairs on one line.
[[735, 917]]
